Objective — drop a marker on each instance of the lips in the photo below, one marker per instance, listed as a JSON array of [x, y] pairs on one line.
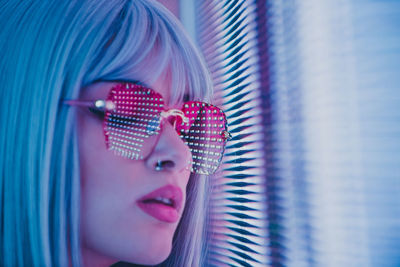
[[164, 204]]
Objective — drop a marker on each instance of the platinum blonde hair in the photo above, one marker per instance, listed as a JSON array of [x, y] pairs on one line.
[[50, 51]]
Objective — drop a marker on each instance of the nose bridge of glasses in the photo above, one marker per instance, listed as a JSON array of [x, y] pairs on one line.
[[172, 152], [166, 114]]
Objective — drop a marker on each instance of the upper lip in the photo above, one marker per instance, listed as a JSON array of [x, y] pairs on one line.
[[170, 192]]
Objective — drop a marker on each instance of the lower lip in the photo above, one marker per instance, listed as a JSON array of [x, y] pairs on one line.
[[160, 211]]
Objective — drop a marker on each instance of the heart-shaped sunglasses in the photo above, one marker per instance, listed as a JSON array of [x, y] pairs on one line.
[[133, 115]]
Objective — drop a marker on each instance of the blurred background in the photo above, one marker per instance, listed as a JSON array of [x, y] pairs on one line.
[[311, 89]]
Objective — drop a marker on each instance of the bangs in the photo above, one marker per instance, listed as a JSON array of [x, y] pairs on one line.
[[144, 44]]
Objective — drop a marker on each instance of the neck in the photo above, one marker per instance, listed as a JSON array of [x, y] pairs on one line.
[[91, 258]]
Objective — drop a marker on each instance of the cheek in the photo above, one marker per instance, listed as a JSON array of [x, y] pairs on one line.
[[90, 138], [97, 163], [96, 172], [111, 223], [102, 177]]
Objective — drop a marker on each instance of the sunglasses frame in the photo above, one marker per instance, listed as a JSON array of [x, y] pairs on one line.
[[108, 106]]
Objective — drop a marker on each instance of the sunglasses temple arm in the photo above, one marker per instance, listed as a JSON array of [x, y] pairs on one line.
[[99, 104], [79, 103]]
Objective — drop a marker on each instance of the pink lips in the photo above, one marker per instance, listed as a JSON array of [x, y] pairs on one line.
[[163, 204]]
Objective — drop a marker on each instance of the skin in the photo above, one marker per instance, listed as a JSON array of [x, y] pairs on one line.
[[113, 227]]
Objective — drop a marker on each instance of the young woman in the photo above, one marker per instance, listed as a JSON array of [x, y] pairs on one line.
[[98, 161]]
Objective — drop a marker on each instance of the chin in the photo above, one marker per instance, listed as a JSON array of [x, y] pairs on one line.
[[155, 254]]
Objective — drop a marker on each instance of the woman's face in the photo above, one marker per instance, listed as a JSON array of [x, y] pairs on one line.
[[116, 225]]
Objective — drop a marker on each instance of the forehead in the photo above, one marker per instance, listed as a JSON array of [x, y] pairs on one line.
[[157, 70], [154, 71]]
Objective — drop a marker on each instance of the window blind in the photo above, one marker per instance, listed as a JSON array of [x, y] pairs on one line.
[[312, 93], [228, 37]]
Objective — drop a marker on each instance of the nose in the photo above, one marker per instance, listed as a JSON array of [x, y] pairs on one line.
[[170, 153]]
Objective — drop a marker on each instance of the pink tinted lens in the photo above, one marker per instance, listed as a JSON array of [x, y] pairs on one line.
[[131, 127], [134, 121], [205, 134]]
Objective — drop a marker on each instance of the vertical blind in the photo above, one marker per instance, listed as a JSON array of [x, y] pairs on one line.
[[312, 93], [239, 212]]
